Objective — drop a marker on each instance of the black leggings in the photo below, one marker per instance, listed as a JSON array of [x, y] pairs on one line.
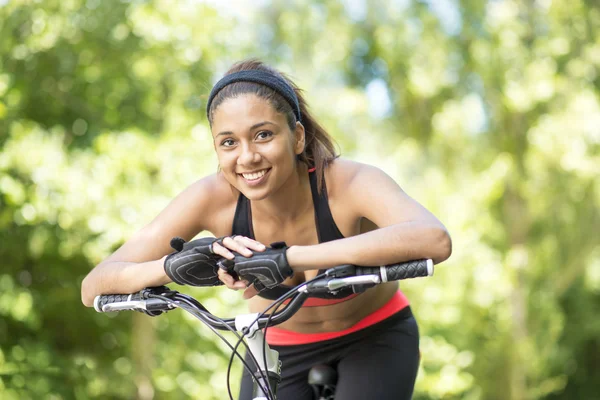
[[378, 362]]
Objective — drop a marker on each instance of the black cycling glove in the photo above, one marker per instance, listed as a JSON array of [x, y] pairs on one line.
[[266, 269], [193, 263]]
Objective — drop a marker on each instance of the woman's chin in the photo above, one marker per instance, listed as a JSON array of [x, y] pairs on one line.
[[255, 194]]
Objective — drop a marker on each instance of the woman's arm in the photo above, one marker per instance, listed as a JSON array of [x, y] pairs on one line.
[[122, 277], [407, 230], [139, 263]]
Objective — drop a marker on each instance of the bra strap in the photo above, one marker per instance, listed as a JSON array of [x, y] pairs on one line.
[[327, 229], [242, 220]]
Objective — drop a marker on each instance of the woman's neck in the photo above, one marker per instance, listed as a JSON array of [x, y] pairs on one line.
[[292, 199]]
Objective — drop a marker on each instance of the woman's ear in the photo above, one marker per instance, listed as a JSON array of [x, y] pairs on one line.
[[299, 136]]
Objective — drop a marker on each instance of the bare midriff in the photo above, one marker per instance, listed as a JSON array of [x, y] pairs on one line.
[[335, 317]]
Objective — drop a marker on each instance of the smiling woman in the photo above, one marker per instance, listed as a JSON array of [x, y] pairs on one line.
[[280, 180], [285, 98], [257, 158]]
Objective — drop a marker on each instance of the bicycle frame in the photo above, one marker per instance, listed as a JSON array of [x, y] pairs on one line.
[[269, 365]]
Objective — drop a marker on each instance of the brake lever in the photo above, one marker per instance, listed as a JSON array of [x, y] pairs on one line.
[[157, 290], [341, 271]]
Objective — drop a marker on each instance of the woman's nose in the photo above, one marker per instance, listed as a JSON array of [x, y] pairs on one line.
[[248, 156]]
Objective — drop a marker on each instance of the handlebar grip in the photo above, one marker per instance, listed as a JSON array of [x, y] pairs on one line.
[[406, 270], [145, 304], [102, 300]]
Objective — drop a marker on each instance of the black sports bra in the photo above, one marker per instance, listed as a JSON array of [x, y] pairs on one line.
[[327, 230]]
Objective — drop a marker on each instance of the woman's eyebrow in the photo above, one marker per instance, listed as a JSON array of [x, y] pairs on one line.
[[257, 125]]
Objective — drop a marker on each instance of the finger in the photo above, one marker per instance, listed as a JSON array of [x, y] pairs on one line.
[[230, 282], [234, 245], [250, 292], [222, 251], [226, 278], [250, 243], [240, 285]]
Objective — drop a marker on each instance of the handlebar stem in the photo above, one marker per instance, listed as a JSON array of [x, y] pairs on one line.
[[255, 345], [247, 322]]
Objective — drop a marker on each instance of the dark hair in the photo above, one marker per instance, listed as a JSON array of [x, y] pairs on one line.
[[319, 147]]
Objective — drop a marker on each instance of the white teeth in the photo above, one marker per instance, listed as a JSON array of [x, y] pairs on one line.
[[255, 175]]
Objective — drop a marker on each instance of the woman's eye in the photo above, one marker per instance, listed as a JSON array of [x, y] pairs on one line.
[[264, 135], [227, 142]]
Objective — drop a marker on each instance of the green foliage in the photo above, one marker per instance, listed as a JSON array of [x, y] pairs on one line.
[[488, 113]]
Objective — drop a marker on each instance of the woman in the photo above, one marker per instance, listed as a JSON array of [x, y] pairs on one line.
[[280, 180]]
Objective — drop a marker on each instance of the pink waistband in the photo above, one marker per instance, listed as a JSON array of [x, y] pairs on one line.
[[282, 337], [317, 302]]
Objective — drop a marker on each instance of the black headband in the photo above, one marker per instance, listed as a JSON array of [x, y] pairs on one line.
[[268, 79]]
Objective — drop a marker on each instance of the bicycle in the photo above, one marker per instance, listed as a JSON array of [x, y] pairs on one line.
[[155, 301]]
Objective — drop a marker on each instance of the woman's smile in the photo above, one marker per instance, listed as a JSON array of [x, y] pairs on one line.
[[256, 177]]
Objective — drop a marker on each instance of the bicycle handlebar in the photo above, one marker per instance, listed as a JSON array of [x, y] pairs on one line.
[[153, 301]]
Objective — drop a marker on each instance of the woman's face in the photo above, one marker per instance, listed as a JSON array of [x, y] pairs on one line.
[[255, 147]]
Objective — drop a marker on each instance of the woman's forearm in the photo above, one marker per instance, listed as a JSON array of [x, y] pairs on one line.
[[122, 277], [392, 244]]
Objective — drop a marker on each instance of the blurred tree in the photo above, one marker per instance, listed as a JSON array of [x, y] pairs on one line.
[[73, 75]]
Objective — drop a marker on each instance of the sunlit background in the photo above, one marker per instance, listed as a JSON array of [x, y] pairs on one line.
[[487, 112]]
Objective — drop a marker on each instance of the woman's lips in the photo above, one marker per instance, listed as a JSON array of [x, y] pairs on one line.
[[255, 178]]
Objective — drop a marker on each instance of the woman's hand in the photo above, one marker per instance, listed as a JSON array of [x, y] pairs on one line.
[[193, 263], [241, 245], [267, 269]]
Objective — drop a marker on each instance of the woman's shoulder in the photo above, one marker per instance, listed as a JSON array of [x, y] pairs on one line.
[[340, 180], [349, 181], [213, 198], [342, 172], [216, 185]]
